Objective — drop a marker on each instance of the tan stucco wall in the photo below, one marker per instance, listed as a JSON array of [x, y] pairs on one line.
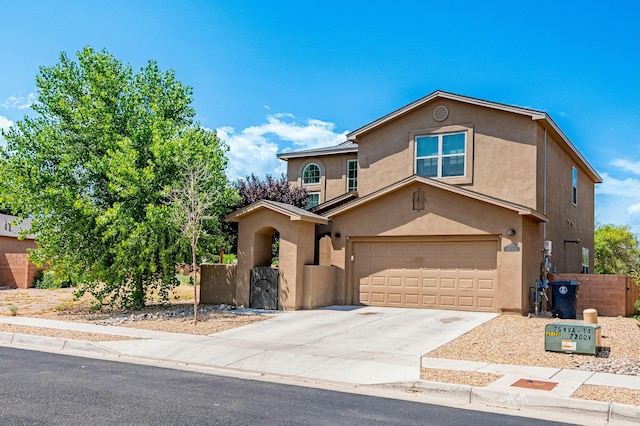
[[296, 250], [568, 221], [319, 287], [445, 214], [501, 146], [218, 284], [333, 182]]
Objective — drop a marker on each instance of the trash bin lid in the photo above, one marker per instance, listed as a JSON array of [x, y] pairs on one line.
[[571, 282]]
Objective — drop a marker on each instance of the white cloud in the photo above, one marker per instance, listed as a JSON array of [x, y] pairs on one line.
[[618, 201], [626, 165], [5, 123], [254, 149], [19, 102], [628, 187]]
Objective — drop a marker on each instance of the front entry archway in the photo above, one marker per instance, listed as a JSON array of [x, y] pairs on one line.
[[257, 224]]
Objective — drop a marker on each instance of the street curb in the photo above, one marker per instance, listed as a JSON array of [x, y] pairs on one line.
[[54, 343], [606, 411], [624, 412]]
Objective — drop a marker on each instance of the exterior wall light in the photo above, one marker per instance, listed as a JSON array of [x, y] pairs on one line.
[[511, 232]]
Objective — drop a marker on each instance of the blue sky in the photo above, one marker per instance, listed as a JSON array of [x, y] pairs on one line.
[[287, 75]]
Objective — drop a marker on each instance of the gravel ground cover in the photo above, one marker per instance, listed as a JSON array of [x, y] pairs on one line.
[[507, 339], [519, 340]]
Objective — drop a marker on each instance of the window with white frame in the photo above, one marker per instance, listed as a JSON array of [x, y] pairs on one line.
[[441, 155], [574, 186], [352, 175], [313, 200], [311, 174]]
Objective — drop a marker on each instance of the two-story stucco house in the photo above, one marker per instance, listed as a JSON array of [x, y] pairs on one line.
[[445, 203]]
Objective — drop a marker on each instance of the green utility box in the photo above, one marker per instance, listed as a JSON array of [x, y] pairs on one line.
[[572, 337]]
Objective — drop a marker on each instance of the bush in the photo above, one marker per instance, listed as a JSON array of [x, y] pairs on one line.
[[44, 280], [229, 258], [47, 280]]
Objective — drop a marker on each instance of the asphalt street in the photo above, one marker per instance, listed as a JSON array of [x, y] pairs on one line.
[[39, 388]]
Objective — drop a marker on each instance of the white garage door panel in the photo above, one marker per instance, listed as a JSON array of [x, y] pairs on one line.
[[450, 275]]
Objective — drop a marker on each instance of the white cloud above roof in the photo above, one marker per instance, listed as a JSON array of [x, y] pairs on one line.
[[254, 149]]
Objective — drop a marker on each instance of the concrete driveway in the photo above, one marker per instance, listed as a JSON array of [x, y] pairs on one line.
[[350, 343]]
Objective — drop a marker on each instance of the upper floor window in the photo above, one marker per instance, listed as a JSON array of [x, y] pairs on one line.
[[313, 200], [441, 155], [352, 175], [311, 174], [574, 186]]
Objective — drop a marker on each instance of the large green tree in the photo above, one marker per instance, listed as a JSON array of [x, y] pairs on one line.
[[617, 250], [93, 168]]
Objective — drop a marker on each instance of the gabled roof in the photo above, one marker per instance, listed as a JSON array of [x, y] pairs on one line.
[[343, 148], [439, 94], [9, 230], [293, 212], [521, 210]]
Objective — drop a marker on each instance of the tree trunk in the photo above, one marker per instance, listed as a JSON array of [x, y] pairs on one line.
[[195, 284]]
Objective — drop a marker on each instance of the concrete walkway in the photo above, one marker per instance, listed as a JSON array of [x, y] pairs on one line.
[[353, 345]]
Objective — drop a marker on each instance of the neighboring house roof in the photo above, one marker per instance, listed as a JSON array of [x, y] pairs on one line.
[[7, 229], [521, 210], [344, 148], [293, 212], [438, 94]]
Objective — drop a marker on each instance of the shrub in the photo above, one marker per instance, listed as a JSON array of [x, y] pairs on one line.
[[47, 280]]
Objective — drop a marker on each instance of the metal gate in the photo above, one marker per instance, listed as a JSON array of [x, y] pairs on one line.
[[264, 288]]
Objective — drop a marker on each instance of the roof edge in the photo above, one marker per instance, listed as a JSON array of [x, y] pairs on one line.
[[294, 213], [521, 210]]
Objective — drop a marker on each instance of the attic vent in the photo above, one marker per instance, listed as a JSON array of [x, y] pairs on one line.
[[440, 113]]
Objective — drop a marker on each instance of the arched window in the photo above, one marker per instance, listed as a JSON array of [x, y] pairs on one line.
[[311, 174]]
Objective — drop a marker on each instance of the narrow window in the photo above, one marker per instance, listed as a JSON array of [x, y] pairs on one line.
[[352, 175], [313, 200], [574, 186], [311, 174], [441, 155]]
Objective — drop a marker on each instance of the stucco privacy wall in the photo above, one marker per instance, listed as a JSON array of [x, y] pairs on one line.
[[445, 214], [501, 150], [218, 284], [610, 295], [254, 249]]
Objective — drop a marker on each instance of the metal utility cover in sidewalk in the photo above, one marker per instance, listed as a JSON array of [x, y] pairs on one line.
[[535, 384]]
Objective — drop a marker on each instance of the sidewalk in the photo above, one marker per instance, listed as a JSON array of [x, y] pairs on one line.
[[333, 363]]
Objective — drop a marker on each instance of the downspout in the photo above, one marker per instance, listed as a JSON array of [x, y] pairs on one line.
[[544, 189]]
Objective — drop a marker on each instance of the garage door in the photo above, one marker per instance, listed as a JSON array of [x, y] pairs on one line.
[[427, 274]]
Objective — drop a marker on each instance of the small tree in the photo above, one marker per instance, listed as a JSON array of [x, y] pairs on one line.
[[616, 250], [199, 198], [253, 189]]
